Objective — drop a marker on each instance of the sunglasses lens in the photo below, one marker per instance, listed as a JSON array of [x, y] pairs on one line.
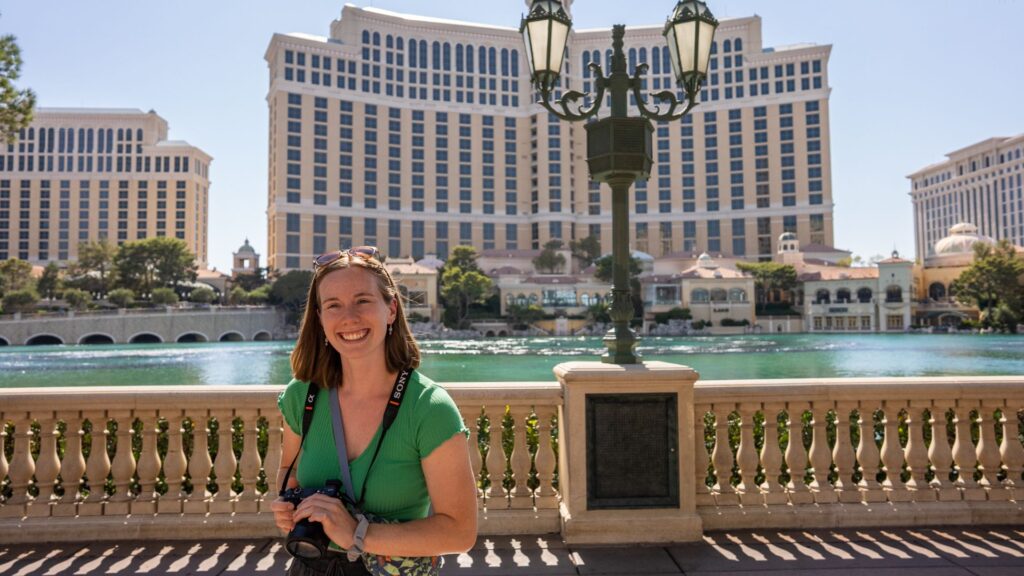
[[325, 259]]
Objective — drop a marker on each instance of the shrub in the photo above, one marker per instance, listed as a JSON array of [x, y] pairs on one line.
[[202, 295], [163, 297], [77, 299], [731, 322], [121, 297], [238, 295], [673, 314], [23, 301], [416, 317]]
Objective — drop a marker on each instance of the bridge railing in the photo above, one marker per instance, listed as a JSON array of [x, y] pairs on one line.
[[782, 453]]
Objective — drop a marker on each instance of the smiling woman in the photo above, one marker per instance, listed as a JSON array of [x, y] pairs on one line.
[[380, 443]]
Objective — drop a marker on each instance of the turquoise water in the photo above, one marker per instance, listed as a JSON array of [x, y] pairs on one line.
[[511, 359]]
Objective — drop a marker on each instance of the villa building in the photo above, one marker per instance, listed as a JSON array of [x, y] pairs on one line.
[[982, 184], [716, 293], [417, 134], [81, 174]]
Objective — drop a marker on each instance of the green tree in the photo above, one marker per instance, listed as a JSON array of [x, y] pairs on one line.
[[606, 273], [522, 315], [992, 283], [549, 260], [22, 300], [260, 295], [121, 297], [164, 297], [95, 262], [77, 299], [250, 282], [238, 296], [599, 312], [15, 275], [289, 291], [463, 257], [49, 283], [587, 250], [16, 106], [202, 295], [769, 277], [460, 288], [144, 265]]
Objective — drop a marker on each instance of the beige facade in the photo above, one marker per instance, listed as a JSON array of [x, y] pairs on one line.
[[712, 291], [76, 175], [982, 184], [417, 135], [418, 286]]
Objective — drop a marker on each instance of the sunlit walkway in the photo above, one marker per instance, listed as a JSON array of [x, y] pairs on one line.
[[988, 551]]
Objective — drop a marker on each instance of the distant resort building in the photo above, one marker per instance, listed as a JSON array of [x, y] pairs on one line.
[[715, 293], [245, 260], [81, 174]]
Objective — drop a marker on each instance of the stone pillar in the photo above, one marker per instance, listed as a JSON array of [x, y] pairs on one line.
[[595, 514]]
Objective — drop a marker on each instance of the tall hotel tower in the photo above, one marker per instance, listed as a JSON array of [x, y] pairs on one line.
[[76, 175], [982, 184], [417, 135]]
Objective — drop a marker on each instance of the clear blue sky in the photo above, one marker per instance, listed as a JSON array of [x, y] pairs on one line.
[[912, 80]]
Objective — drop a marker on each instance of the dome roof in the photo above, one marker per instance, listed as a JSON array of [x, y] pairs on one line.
[[430, 261], [642, 256], [787, 237], [705, 261], [961, 240], [246, 248]]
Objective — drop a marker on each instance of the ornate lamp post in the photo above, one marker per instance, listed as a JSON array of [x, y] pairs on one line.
[[619, 147]]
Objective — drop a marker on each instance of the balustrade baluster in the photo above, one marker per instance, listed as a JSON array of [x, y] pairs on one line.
[[250, 465], [471, 417], [272, 463], [546, 497], [175, 465], [916, 454], [4, 466], [226, 463], [842, 454], [892, 456], [771, 457], [123, 466], [700, 457], [72, 467], [1011, 451], [47, 467], [522, 496], [868, 456], [796, 457], [747, 458], [965, 456], [22, 468], [97, 467], [988, 453], [199, 466], [821, 455], [149, 465], [722, 457], [941, 456], [496, 462]]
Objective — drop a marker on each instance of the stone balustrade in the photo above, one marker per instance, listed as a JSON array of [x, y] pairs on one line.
[[859, 452], [206, 457], [775, 453]]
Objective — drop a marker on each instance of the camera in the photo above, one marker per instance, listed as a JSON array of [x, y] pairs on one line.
[[307, 540]]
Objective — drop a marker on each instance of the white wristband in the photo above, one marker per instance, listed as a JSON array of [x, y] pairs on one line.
[[357, 538]]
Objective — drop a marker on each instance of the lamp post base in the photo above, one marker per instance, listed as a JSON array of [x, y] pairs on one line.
[[620, 341]]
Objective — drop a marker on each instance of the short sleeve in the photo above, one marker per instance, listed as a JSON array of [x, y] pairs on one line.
[[438, 419], [291, 401]]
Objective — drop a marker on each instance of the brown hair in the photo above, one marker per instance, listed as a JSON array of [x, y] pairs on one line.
[[313, 361]]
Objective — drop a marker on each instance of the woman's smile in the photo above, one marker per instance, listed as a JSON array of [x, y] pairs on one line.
[[354, 336]]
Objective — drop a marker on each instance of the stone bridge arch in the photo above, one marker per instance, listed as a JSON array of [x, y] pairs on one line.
[[44, 340], [4, 342], [96, 338], [262, 336], [145, 338], [231, 336], [190, 337]]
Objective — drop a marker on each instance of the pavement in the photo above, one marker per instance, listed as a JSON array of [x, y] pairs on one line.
[[940, 551]]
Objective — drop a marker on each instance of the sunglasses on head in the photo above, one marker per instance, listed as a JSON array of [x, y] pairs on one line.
[[364, 252]]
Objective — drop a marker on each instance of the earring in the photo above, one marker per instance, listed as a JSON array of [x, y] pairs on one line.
[[326, 341], [391, 328]]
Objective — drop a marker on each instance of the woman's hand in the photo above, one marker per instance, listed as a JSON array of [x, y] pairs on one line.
[[283, 512], [337, 522]]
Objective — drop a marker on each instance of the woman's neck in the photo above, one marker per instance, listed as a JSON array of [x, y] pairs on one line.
[[366, 378]]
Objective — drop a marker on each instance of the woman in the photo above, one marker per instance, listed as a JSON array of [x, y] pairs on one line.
[[355, 339]]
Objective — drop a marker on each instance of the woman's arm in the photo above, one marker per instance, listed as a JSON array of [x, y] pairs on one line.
[[283, 510], [451, 530]]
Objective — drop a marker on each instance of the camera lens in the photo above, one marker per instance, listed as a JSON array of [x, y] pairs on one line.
[[307, 540], [303, 549]]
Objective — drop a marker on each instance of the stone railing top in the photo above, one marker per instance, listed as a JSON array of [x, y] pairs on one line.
[[948, 388]]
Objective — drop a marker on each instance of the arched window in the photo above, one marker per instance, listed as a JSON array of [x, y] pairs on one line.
[[586, 64], [718, 295], [413, 49], [101, 140], [89, 149], [120, 134], [642, 55], [366, 36], [864, 295], [469, 58], [504, 62], [138, 135], [423, 54], [595, 57], [482, 59], [515, 63], [632, 60], [492, 57], [727, 46], [699, 295], [533, 299], [521, 299], [737, 295], [666, 62], [510, 299], [822, 297], [714, 47], [389, 41], [447, 51], [656, 60], [436, 64], [894, 294], [936, 291], [376, 38], [585, 299], [843, 296], [737, 45], [459, 60]]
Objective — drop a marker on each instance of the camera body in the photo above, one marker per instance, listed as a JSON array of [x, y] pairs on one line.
[[307, 539]]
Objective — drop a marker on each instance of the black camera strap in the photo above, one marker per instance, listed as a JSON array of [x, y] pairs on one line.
[[307, 419], [390, 413]]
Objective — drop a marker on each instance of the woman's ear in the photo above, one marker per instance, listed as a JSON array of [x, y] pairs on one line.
[[393, 309]]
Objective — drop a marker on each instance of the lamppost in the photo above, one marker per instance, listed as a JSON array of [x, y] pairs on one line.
[[619, 147]]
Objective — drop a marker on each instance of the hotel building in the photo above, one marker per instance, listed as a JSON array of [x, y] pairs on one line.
[[982, 184], [418, 134], [76, 175]]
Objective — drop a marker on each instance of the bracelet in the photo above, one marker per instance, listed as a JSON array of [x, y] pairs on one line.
[[357, 538]]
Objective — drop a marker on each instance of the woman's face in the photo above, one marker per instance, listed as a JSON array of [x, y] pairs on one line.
[[353, 312]]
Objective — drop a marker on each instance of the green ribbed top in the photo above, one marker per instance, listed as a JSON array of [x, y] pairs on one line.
[[397, 489]]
